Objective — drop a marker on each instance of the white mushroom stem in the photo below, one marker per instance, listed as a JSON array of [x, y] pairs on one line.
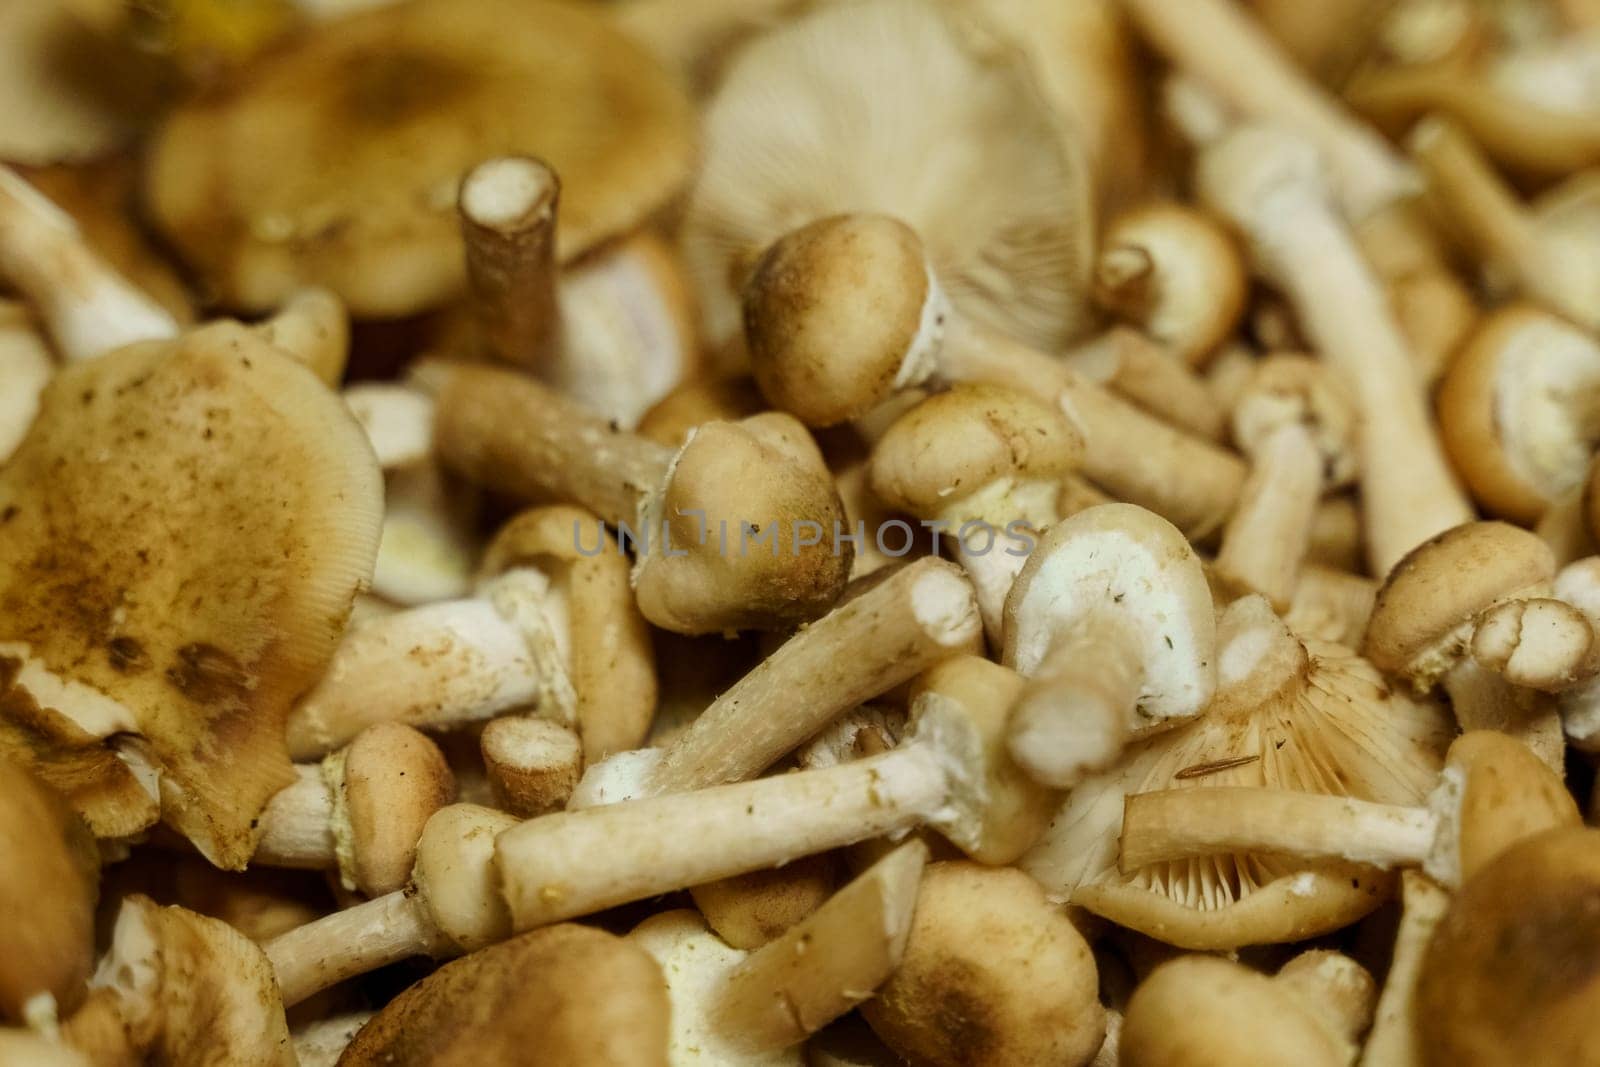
[[26, 367], [1161, 383], [887, 635], [1393, 1039], [992, 569], [1483, 700], [1265, 540], [398, 420], [297, 825], [87, 306], [443, 665], [313, 327], [1267, 181], [508, 220], [348, 943], [1072, 717]]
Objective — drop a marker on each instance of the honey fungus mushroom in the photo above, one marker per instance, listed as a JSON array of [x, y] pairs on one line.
[[414, 95], [1293, 712]]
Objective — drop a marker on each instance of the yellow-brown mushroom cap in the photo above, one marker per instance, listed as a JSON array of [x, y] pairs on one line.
[[696, 402], [1443, 583], [832, 313], [335, 161], [970, 439], [1506, 795], [394, 779]]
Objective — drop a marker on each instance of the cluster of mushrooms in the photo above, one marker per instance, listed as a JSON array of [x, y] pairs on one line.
[[704, 533]]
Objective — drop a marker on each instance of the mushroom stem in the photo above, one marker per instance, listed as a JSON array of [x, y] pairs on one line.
[[916, 617], [1266, 538], [505, 431], [87, 306], [397, 419], [1393, 1040], [1072, 716], [508, 220], [1129, 363], [992, 571], [1332, 605], [310, 958], [1483, 700], [1180, 824], [297, 825]]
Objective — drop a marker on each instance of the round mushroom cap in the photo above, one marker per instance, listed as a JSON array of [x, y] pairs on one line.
[[1298, 389], [1439, 587], [458, 877], [1538, 643], [1502, 794], [1509, 976], [186, 527], [835, 313], [699, 401], [563, 994], [394, 779], [1511, 416], [978, 440], [993, 975], [335, 160]]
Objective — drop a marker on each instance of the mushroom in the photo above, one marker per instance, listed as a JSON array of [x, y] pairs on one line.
[[360, 811], [47, 892], [182, 989], [26, 367], [178, 631], [724, 541], [733, 1007], [572, 993], [1177, 274], [1112, 623], [533, 764], [749, 910], [552, 625], [1290, 712], [1269, 183], [1393, 1039], [981, 463], [1423, 621], [508, 222], [1134, 366], [1539, 643], [1493, 793], [844, 312], [1514, 411], [1507, 978], [1296, 423], [1009, 225], [993, 976], [414, 95], [321, 1042], [1578, 584], [1207, 1012], [696, 402], [1332, 605]]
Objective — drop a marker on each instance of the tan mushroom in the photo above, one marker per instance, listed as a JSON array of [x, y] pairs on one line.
[[699, 401], [1393, 1041], [1332, 605], [1578, 584], [533, 764], [1295, 713], [749, 910], [374, 222], [26, 367], [1137, 368], [192, 620]]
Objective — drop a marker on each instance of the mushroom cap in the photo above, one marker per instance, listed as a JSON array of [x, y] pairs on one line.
[[1119, 560], [1509, 975], [853, 108], [1538, 643], [765, 474], [394, 779], [748, 910], [1510, 410], [1501, 793], [1289, 713], [335, 160], [457, 874], [29, 1048], [1298, 389], [1201, 1011], [836, 314], [983, 441], [1439, 587], [187, 525], [610, 660], [565, 993], [993, 976], [699, 401], [47, 940]]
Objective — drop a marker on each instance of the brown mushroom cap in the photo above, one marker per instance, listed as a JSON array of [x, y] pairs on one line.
[[993, 976], [1442, 583], [1506, 795], [1510, 975], [972, 438], [563, 994], [335, 160], [832, 313], [186, 526], [394, 779], [47, 894], [748, 910], [696, 402]]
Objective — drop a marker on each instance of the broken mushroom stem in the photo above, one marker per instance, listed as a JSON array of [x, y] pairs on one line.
[[508, 208]]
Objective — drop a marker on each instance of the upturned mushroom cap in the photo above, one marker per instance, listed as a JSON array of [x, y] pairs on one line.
[[391, 780], [1497, 793], [993, 976], [610, 660], [347, 148], [1512, 413], [185, 529], [47, 893], [181, 989], [818, 117], [1121, 561], [566, 993], [1420, 623], [1288, 713], [1298, 389], [731, 484], [977, 452], [1509, 975], [838, 314]]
